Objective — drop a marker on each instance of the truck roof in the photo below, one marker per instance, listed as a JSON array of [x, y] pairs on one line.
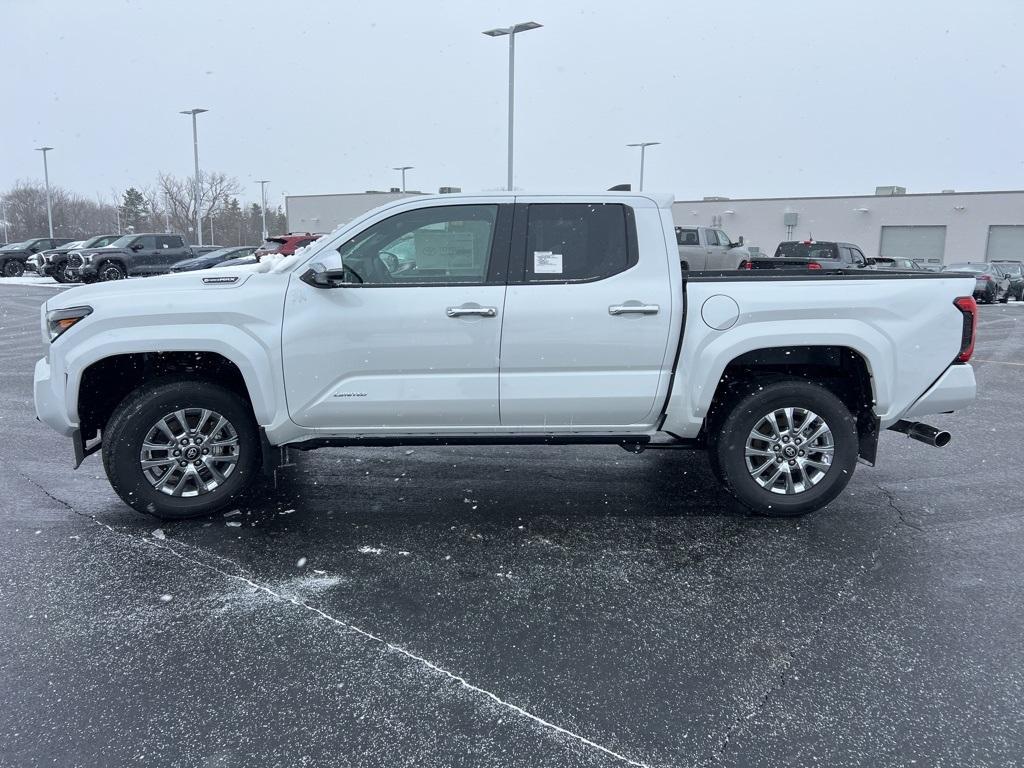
[[661, 199]]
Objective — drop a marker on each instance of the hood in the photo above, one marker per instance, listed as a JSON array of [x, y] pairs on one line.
[[149, 289]]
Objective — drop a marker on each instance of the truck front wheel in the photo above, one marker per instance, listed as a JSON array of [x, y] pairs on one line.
[[181, 449], [786, 449]]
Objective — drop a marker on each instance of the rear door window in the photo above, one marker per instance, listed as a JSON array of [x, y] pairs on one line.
[[578, 241], [687, 237]]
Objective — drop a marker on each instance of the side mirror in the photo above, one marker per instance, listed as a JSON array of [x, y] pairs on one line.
[[320, 277], [740, 241], [135, 246], [1007, 275]]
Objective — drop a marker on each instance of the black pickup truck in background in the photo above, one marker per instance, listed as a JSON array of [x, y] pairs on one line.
[[54, 262], [13, 256], [810, 254], [130, 256]]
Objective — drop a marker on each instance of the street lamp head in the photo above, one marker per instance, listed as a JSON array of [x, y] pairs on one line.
[[193, 111], [525, 26], [404, 168], [262, 181], [43, 149], [644, 144]]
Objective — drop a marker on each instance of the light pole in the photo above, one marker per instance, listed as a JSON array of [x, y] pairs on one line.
[[195, 151], [643, 149], [46, 175], [263, 207], [511, 32], [403, 169], [3, 214]]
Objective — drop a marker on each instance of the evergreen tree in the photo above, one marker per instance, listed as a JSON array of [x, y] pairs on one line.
[[134, 211]]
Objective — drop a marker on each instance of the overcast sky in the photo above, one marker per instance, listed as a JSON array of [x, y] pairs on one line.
[[748, 98]]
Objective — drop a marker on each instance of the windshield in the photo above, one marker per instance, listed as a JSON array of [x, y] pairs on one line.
[[15, 246], [122, 242]]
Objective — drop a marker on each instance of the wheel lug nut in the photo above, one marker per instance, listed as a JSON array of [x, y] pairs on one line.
[[197, 462], [776, 447], [778, 459], [177, 452], [183, 463], [785, 438], [207, 450], [792, 462], [801, 453]]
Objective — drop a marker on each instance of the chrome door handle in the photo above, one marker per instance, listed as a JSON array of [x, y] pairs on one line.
[[478, 311], [634, 309]]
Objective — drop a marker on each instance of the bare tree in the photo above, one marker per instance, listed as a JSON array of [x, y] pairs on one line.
[[179, 198]]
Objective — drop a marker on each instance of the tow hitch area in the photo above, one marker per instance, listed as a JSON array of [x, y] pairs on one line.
[[923, 432]]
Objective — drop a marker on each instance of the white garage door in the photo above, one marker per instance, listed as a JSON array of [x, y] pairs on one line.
[[926, 244], [1005, 242]]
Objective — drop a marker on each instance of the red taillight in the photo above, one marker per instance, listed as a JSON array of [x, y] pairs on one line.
[[813, 265], [746, 264], [969, 307], [986, 278]]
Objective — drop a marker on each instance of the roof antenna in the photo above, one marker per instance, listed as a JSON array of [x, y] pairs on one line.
[[621, 188]]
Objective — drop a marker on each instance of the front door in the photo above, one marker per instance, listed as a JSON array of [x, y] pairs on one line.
[[586, 330], [409, 342]]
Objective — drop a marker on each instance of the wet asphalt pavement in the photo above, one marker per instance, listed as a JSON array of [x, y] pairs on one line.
[[517, 607]]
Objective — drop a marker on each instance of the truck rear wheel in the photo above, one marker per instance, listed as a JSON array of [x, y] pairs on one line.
[[181, 449], [786, 449]]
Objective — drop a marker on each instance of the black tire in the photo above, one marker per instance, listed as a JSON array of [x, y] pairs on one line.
[[111, 270], [140, 411], [728, 442], [13, 268], [58, 273]]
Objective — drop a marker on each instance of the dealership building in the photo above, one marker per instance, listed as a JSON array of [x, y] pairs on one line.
[[937, 228]]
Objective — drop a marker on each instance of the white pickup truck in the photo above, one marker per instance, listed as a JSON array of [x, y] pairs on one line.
[[709, 249], [501, 319]]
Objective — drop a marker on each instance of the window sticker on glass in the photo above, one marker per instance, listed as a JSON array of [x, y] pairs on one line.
[[452, 251], [546, 262]]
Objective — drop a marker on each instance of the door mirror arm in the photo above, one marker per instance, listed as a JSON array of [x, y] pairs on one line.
[[329, 278]]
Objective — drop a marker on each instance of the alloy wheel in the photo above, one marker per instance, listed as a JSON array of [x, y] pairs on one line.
[[789, 450]]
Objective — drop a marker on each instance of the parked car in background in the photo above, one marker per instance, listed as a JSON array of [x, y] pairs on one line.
[[810, 254], [14, 257], [704, 248], [1015, 269], [286, 245], [887, 262], [990, 283], [130, 256], [213, 258], [54, 262], [928, 266]]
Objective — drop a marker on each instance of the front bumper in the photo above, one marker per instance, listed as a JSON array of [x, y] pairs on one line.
[[85, 270], [955, 389], [50, 399]]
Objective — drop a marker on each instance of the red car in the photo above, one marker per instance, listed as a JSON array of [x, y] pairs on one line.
[[286, 245]]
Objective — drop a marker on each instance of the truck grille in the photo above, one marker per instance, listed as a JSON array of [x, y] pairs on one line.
[[74, 261]]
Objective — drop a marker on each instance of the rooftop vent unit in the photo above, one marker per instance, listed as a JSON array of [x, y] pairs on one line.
[[890, 191], [449, 190]]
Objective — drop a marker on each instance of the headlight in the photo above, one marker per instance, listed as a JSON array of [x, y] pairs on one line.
[[59, 320], [88, 256]]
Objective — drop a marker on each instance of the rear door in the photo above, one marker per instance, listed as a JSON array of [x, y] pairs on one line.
[[170, 249], [587, 314], [691, 251]]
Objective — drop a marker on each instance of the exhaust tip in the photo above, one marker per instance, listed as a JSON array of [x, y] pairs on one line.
[[942, 439]]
